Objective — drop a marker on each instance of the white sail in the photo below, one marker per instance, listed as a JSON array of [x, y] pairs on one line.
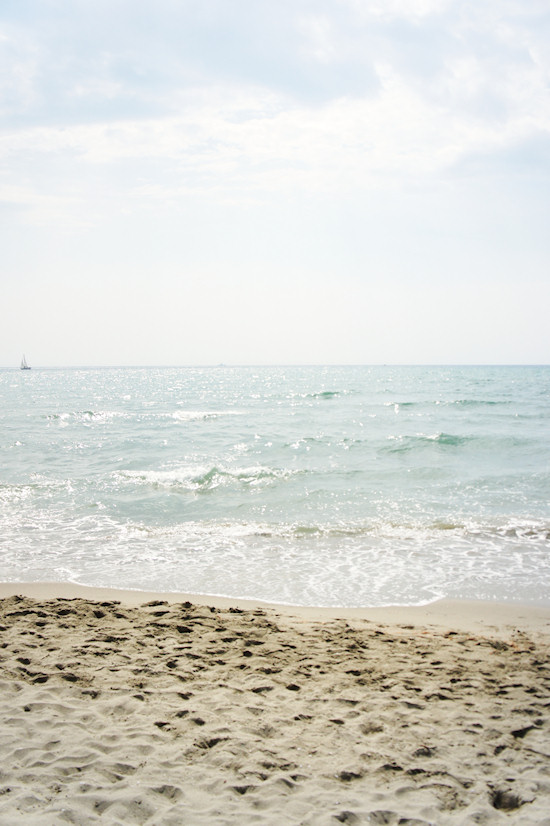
[[24, 365]]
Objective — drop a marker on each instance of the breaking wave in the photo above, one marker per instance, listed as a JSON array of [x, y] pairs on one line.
[[197, 479]]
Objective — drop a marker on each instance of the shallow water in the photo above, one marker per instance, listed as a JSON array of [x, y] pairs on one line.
[[301, 485]]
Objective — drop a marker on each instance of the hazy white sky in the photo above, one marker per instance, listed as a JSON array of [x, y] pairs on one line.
[[274, 181]]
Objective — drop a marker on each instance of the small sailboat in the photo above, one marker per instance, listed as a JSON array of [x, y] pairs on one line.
[[24, 365]]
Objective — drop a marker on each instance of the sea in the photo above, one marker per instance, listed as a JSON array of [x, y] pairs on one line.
[[325, 486]]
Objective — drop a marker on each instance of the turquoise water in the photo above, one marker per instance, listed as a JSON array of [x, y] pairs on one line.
[[302, 485]]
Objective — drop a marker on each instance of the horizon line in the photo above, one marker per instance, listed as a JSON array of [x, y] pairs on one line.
[[212, 365]]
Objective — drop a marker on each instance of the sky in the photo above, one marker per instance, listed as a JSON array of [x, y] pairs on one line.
[[274, 182]]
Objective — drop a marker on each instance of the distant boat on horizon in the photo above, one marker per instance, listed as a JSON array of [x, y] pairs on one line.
[[24, 365]]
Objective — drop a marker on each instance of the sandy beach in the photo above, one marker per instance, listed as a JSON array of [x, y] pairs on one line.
[[133, 708]]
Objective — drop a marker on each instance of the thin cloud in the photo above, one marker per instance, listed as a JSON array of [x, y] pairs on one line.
[[252, 143]]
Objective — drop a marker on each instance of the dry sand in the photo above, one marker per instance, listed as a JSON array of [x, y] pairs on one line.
[[180, 713]]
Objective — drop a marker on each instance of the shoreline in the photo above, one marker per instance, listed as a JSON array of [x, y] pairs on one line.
[[475, 616]]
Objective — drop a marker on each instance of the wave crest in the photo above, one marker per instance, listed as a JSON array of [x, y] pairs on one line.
[[199, 480], [405, 444]]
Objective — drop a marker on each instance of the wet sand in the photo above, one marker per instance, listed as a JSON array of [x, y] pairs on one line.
[[133, 708]]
